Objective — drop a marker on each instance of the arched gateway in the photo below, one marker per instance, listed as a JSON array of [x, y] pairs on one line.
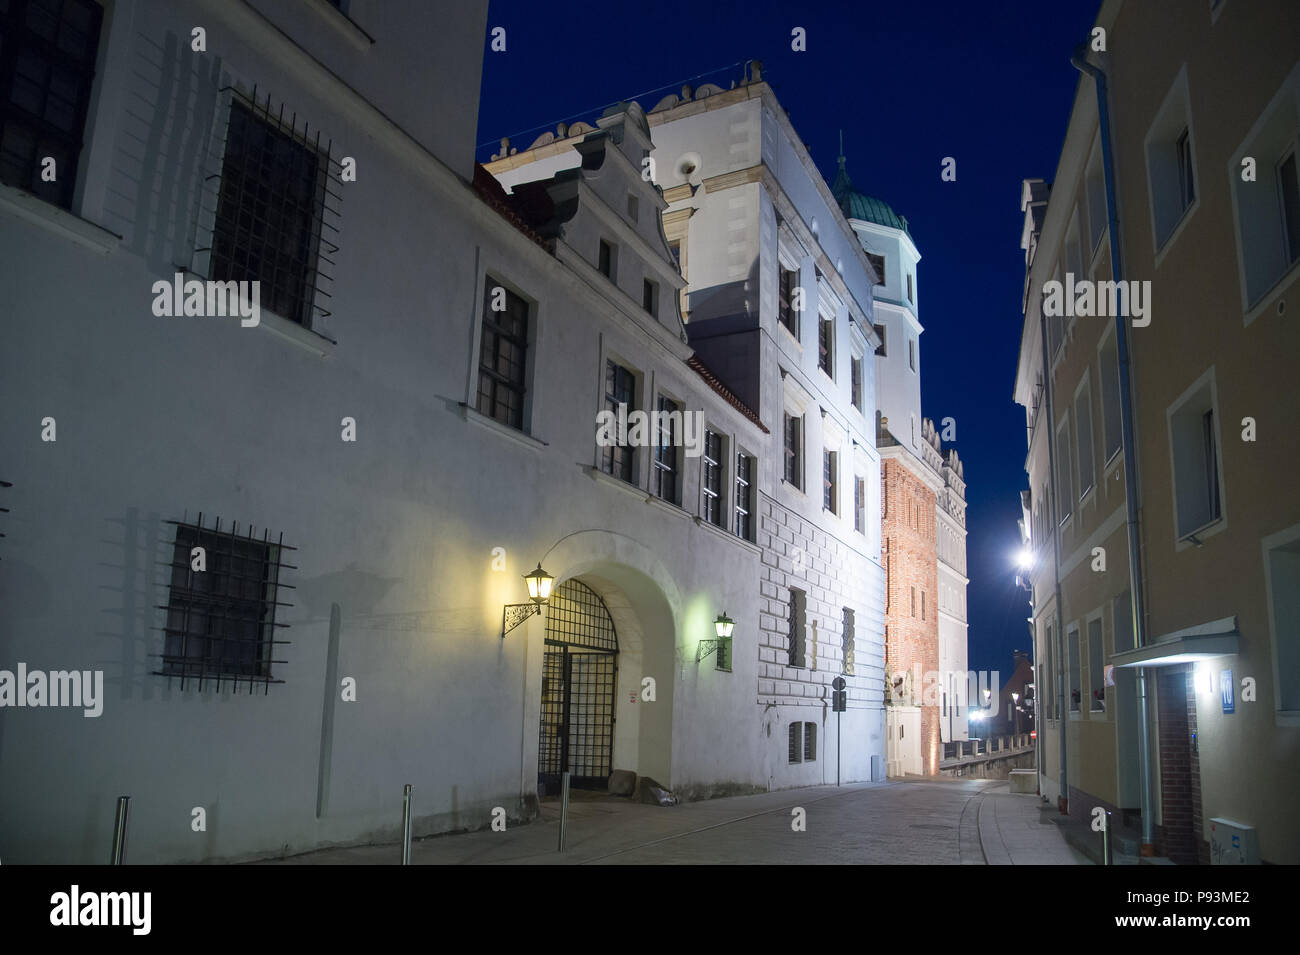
[[579, 679]]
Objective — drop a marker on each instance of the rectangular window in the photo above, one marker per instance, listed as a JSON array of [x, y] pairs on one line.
[[1289, 192], [1283, 568], [922, 604], [221, 621], [667, 459], [1186, 183], [503, 351], [796, 743], [798, 611], [1194, 439], [713, 478], [913, 601], [855, 382], [881, 350], [909, 290], [826, 345], [1108, 369], [620, 387], [633, 207], [911, 353], [268, 217], [605, 260], [1122, 622], [878, 266], [786, 313], [1053, 709], [1072, 640], [793, 455], [1096, 668], [744, 497], [859, 505], [1083, 435], [847, 644], [809, 742], [1096, 189], [1065, 487], [650, 296], [830, 481], [675, 248], [47, 67]]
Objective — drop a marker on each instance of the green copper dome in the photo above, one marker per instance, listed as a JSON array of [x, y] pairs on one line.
[[857, 205]]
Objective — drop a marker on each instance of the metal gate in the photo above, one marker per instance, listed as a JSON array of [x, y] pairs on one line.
[[579, 675]]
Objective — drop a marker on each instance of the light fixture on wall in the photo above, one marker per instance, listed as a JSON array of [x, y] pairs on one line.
[[539, 593], [722, 626]]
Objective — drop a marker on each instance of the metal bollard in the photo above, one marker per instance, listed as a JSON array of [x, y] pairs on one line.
[[564, 809], [406, 825], [119, 831], [1107, 847]]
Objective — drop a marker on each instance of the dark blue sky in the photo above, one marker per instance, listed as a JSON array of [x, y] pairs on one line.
[[989, 84]]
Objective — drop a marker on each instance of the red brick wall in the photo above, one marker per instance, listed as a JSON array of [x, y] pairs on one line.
[[912, 643], [1178, 836]]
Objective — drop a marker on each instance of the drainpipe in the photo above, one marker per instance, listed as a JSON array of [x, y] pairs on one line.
[[1058, 638], [1129, 443]]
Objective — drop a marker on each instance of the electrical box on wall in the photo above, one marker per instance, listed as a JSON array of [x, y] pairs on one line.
[[1233, 843]]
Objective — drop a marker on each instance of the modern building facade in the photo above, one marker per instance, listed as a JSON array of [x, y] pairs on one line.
[[291, 539], [923, 539], [1200, 206]]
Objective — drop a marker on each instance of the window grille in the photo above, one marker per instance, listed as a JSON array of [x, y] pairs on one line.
[[796, 742], [798, 609], [274, 209], [855, 382], [830, 482], [809, 742], [744, 497], [220, 624], [847, 642], [826, 346], [793, 462]]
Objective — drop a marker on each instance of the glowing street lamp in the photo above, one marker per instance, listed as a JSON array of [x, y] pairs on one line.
[[539, 594], [722, 627]]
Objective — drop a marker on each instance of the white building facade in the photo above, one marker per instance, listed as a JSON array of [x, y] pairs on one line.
[[289, 545]]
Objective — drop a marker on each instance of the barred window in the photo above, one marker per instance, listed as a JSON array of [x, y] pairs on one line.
[[809, 742], [269, 212], [713, 478], [744, 497], [793, 460], [503, 353], [847, 644], [221, 606], [47, 66], [798, 626], [667, 462], [620, 383], [796, 742]]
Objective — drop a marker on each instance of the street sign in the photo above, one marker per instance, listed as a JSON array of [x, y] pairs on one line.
[[838, 683], [839, 701]]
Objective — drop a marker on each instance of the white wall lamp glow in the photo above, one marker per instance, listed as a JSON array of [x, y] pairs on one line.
[[722, 627]]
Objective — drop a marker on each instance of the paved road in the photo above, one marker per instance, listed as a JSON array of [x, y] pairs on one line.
[[927, 822]]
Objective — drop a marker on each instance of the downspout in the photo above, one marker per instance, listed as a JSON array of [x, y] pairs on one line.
[[1063, 798], [1129, 443]]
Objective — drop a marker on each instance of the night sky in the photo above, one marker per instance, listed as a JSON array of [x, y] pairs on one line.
[[909, 83]]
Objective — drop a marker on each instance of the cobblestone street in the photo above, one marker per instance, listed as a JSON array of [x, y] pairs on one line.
[[920, 822]]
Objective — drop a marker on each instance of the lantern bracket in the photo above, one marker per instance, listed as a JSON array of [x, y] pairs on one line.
[[512, 615]]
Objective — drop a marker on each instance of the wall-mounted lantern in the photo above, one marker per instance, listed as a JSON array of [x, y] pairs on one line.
[[722, 627], [539, 593]]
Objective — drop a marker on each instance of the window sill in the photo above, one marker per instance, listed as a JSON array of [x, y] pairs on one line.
[[343, 23], [57, 220], [1208, 529], [723, 532], [674, 509], [1270, 297], [792, 487], [314, 342], [476, 417], [601, 477], [794, 339]]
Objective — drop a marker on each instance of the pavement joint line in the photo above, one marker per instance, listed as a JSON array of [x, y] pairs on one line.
[[728, 822]]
